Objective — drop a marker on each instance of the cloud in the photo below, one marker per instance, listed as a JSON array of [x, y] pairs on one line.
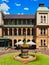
[[26, 8], [17, 4], [6, 12], [4, 7], [5, 0]]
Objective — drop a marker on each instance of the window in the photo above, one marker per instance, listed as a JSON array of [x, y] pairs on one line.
[[28, 40], [24, 31], [32, 31], [19, 31], [41, 31], [44, 42], [9, 22], [6, 31], [15, 41], [5, 22], [28, 22], [19, 40], [41, 42], [41, 19], [28, 31], [24, 22], [10, 31], [44, 31], [19, 22], [15, 31], [10, 42], [15, 22], [44, 19]]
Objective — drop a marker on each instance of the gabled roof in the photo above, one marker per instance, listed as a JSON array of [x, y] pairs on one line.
[[14, 16]]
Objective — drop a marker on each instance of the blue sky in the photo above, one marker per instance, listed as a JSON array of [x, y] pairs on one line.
[[21, 6]]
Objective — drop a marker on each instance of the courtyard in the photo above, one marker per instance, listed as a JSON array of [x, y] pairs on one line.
[[6, 57]]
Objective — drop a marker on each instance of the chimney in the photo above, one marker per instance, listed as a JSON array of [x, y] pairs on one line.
[[41, 5]]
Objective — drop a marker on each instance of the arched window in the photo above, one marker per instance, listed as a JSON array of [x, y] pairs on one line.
[[24, 40], [15, 31], [10, 41], [33, 40], [6, 31], [41, 31], [15, 41], [10, 31], [41, 42], [44, 19], [41, 19], [28, 40], [28, 31], [33, 31], [19, 40], [19, 31], [44, 31], [24, 31], [44, 42]]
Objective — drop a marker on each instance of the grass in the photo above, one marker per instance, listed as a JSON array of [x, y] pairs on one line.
[[7, 59]]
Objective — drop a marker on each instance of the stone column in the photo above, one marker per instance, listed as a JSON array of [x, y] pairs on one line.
[[30, 31], [12, 31], [12, 43]]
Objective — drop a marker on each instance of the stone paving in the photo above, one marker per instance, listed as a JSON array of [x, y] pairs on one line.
[[44, 51]]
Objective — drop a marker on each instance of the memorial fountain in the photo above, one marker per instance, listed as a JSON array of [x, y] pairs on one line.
[[25, 56]]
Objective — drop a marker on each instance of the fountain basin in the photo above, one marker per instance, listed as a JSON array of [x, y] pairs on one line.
[[30, 58]]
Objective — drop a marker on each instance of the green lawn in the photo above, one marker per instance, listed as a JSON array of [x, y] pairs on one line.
[[7, 59]]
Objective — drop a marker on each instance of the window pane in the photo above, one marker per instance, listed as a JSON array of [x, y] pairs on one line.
[[15, 31], [28, 22], [10, 31], [44, 19], [6, 31], [19, 22], [24, 22], [41, 42], [19, 31], [41, 19]]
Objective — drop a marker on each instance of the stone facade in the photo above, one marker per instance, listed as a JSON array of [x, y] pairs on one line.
[[35, 28]]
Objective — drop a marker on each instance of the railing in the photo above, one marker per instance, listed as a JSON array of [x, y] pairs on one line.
[[18, 25]]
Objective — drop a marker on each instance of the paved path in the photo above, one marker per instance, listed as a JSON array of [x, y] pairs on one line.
[[14, 51]]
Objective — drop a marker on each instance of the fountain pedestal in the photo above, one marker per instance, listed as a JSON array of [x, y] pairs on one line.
[[24, 51]]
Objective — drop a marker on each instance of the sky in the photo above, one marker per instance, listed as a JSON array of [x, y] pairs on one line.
[[21, 6]]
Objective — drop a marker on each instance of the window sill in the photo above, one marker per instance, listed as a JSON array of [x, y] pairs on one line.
[[42, 46]]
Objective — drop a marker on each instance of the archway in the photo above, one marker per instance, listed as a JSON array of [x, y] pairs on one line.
[[15, 41], [28, 40]]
